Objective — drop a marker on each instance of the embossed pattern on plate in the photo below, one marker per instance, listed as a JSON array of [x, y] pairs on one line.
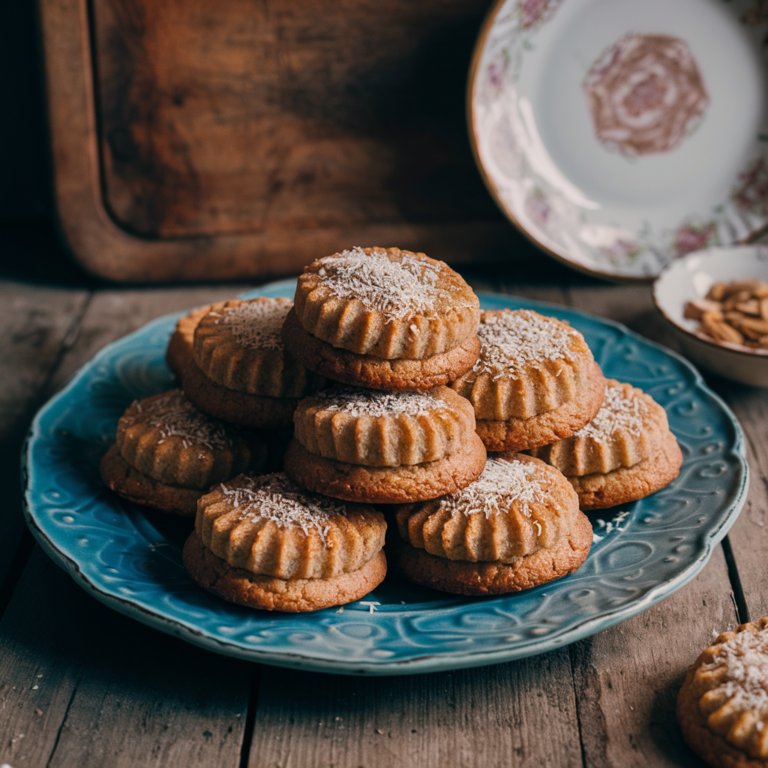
[[131, 559]]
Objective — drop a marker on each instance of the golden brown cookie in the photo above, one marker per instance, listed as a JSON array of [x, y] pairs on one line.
[[722, 707], [387, 303], [241, 371], [271, 526], [382, 429], [377, 373], [382, 447], [238, 345], [383, 318], [179, 351], [237, 407], [516, 507], [625, 453], [272, 594], [517, 526], [268, 543], [134, 486], [167, 453], [497, 578], [385, 485], [535, 381]]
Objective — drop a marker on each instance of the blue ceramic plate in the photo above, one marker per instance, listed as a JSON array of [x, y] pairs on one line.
[[131, 559]]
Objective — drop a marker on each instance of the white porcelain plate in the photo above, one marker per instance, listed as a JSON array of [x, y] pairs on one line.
[[620, 134]]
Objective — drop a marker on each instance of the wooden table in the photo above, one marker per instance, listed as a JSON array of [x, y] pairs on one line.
[[81, 685]]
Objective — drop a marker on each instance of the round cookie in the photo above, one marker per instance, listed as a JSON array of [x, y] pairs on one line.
[[167, 453], [517, 526], [384, 318], [272, 594], [625, 453], [238, 407], [267, 543], [241, 371], [179, 351], [722, 707], [534, 383], [377, 373], [379, 447], [496, 578]]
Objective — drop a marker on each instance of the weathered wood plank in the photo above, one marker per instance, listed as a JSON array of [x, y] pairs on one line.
[[124, 694], [115, 313], [749, 535], [81, 685], [627, 677], [491, 717], [35, 326]]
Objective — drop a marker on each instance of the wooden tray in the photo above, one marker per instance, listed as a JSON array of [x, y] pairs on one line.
[[195, 140]]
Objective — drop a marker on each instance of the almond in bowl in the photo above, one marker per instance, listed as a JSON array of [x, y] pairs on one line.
[[715, 300]]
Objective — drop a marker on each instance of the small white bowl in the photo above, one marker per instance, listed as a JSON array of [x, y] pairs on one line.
[[691, 278]]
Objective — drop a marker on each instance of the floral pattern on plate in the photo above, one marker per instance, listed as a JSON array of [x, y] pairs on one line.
[[645, 97]]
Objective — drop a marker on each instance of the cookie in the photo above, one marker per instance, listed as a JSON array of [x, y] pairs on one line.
[[517, 526], [722, 707], [237, 407], [272, 594], [380, 447], [384, 318], [367, 371], [241, 371], [625, 453], [268, 543], [534, 383], [496, 578], [167, 453], [179, 351]]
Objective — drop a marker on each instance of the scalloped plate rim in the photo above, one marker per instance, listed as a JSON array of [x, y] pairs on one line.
[[429, 662]]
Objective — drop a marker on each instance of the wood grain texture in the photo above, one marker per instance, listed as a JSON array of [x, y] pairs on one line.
[[81, 685], [114, 313], [285, 115], [35, 326], [510, 715], [375, 174], [628, 677], [749, 535]]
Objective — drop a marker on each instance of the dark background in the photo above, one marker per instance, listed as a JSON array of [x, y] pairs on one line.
[[25, 192], [29, 245]]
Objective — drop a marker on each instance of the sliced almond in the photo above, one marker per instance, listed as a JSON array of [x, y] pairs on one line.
[[761, 326], [751, 307], [761, 292], [694, 310], [721, 331], [743, 287], [712, 316], [764, 308], [717, 292], [763, 340]]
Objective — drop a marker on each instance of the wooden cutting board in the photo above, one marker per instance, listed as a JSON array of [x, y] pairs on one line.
[[200, 140]]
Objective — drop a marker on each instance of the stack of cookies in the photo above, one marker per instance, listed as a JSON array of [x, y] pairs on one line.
[[396, 386]]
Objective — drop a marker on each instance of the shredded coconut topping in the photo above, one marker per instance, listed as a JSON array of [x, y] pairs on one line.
[[501, 483], [175, 416], [371, 402], [257, 324], [744, 659], [618, 412], [398, 289], [513, 341], [277, 498]]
